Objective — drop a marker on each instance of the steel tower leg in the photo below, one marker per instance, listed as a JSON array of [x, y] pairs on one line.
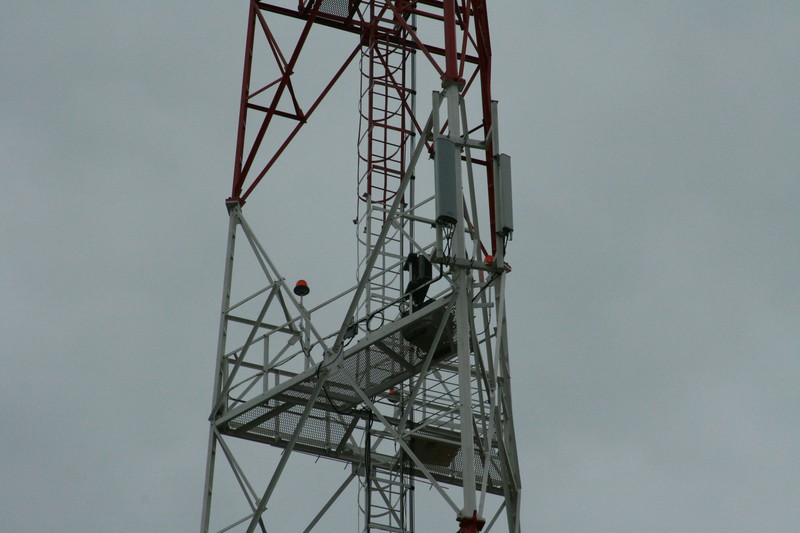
[[463, 321], [218, 373], [512, 486]]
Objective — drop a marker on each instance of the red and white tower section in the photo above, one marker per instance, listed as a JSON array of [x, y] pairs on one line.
[[403, 378]]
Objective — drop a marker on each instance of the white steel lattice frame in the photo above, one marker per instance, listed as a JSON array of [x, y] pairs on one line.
[[285, 383]]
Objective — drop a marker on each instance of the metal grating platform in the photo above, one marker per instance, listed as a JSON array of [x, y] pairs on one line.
[[380, 361], [441, 455]]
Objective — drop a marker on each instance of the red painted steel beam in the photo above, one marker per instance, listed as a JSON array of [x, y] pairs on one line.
[[484, 47], [450, 51], [281, 87], [467, 15], [300, 124], [238, 178], [358, 27]]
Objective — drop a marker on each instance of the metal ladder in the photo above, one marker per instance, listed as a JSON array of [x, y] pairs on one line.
[[385, 131], [387, 490]]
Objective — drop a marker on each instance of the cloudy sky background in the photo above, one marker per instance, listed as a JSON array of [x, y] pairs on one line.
[[654, 306]]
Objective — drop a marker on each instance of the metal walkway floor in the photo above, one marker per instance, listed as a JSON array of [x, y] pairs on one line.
[[379, 362]]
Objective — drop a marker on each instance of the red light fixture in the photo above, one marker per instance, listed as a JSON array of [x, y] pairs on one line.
[[301, 288]]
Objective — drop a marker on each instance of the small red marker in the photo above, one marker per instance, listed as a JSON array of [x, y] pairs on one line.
[[301, 288]]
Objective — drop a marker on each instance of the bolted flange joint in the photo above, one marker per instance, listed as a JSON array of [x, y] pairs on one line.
[[471, 524]]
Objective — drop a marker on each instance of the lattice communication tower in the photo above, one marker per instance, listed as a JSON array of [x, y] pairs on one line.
[[404, 377]]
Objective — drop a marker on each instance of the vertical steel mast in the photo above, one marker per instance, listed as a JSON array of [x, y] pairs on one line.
[[410, 383]]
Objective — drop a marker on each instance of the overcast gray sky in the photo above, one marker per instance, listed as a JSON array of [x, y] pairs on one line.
[[654, 303]]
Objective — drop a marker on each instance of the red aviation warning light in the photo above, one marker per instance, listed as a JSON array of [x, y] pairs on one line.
[[301, 288]]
